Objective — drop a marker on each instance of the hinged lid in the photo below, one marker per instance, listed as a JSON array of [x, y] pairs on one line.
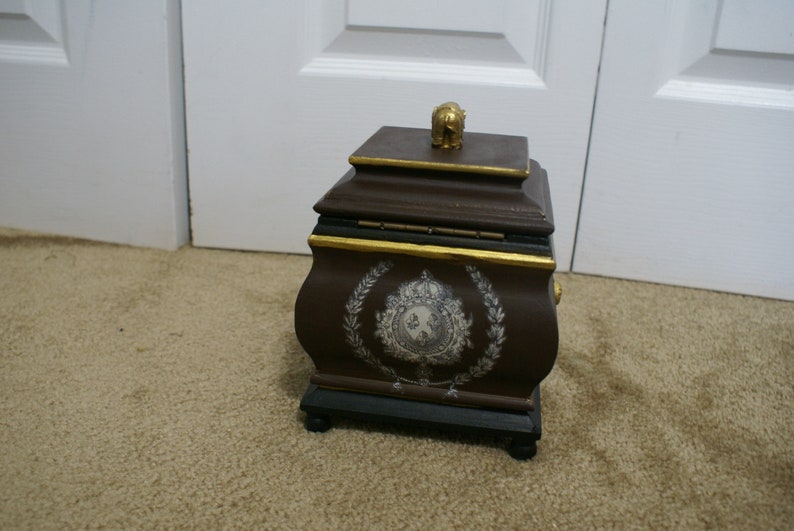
[[403, 147], [434, 177]]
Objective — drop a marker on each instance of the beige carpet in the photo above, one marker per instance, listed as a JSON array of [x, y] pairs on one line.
[[148, 389]]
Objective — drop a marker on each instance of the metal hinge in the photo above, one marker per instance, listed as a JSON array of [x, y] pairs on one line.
[[429, 229]]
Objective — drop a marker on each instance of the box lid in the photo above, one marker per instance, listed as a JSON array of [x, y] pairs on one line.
[[488, 184], [484, 154]]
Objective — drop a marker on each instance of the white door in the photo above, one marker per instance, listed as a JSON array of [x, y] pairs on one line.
[[278, 94], [690, 178], [91, 120]]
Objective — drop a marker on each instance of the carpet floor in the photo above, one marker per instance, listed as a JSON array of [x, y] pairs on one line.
[[151, 389]]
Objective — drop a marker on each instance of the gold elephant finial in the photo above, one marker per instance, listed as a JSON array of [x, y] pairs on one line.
[[447, 126]]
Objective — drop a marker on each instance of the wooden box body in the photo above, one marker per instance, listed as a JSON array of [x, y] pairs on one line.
[[432, 274]]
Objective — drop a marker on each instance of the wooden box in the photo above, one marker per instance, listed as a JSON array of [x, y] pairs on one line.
[[431, 299]]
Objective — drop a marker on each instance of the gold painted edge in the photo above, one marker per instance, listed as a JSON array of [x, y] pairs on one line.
[[440, 166], [433, 251]]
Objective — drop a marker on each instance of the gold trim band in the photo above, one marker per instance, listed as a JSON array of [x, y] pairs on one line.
[[440, 166], [433, 251]]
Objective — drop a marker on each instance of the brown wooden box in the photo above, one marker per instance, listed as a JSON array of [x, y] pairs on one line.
[[432, 284]]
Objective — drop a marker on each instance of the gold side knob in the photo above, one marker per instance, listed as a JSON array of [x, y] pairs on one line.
[[447, 126], [557, 292]]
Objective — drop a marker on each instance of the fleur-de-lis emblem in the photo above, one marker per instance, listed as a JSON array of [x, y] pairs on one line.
[[424, 323]]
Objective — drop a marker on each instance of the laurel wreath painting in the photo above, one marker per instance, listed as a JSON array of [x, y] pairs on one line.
[[483, 365]]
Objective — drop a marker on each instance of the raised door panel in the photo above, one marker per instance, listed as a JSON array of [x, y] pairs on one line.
[[274, 112], [690, 179], [32, 32]]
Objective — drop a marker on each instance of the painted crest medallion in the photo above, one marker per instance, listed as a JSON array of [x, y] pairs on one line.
[[424, 323]]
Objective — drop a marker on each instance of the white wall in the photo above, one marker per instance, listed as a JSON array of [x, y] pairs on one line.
[[92, 140]]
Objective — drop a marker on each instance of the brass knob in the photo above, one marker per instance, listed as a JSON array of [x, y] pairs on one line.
[[447, 126], [557, 292]]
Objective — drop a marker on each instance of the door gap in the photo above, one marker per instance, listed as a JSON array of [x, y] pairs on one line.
[[589, 139]]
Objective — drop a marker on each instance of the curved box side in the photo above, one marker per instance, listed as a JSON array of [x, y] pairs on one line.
[[484, 333]]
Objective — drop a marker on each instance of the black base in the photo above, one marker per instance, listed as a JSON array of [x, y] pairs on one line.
[[523, 428]]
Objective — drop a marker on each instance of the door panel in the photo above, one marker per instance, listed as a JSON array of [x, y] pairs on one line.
[[690, 178], [32, 32], [730, 52], [92, 136], [459, 42], [279, 94]]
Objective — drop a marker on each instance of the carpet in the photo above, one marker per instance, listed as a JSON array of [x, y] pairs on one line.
[[151, 389]]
